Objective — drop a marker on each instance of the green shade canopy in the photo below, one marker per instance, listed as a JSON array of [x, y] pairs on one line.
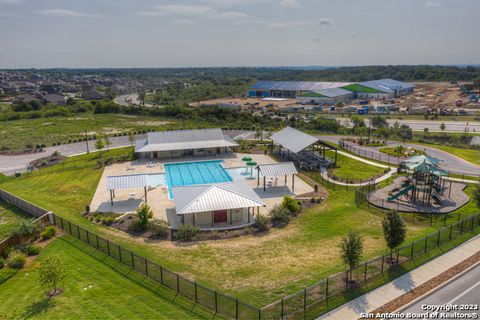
[[251, 163], [247, 159]]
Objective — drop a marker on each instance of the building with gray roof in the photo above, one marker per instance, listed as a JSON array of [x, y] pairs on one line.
[[180, 143]]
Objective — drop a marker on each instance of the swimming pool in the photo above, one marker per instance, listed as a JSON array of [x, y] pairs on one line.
[[190, 173]]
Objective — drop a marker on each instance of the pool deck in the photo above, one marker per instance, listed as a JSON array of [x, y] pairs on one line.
[[158, 199]]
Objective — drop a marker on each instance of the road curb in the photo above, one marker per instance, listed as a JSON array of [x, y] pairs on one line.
[[429, 293]]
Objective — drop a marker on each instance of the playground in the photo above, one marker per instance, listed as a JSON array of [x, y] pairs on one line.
[[423, 189]]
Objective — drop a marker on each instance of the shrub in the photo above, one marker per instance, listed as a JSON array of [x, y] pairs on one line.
[[291, 205], [280, 215], [144, 213], [108, 221], [16, 259], [2, 263], [136, 226], [48, 233], [6, 274], [187, 232], [27, 228], [29, 249], [261, 223], [159, 228]]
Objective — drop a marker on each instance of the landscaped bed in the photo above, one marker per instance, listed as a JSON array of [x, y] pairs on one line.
[[351, 169], [10, 218]]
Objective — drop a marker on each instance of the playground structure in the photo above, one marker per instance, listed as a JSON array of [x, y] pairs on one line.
[[424, 181], [424, 189]]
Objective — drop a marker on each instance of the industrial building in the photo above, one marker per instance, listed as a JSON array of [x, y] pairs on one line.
[[330, 92]]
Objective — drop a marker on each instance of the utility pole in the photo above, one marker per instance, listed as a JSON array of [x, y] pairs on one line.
[[86, 141]]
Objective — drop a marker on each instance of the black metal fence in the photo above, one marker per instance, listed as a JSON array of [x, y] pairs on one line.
[[212, 300], [334, 290]]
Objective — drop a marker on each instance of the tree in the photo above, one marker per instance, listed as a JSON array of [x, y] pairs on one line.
[[394, 230], [144, 213], [379, 122], [357, 121], [476, 195], [442, 126], [100, 144], [352, 248], [52, 273], [141, 96], [405, 132], [425, 131]]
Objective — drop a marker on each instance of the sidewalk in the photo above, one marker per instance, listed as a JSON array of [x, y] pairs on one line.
[[394, 289]]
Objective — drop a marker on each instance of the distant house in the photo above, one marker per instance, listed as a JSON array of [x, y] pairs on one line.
[[93, 94], [55, 99], [34, 96], [184, 143]]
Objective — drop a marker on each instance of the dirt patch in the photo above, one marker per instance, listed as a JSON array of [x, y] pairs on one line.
[[152, 123]]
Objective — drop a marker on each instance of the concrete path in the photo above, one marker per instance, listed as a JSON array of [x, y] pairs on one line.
[[392, 290]]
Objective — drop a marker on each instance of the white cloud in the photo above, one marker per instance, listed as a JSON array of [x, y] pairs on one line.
[[184, 21], [232, 15], [432, 4], [289, 3], [325, 22], [287, 24], [66, 13], [185, 10]]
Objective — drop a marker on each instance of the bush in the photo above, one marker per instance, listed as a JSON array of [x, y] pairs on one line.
[[291, 205], [279, 215], [29, 249], [16, 260], [2, 263], [136, 226], [48, 233], [6, 274], [158, 228], [27, 228], [187, 232], [108, 221], [261, 223]]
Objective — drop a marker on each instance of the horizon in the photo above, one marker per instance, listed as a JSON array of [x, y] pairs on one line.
[[236, 33]]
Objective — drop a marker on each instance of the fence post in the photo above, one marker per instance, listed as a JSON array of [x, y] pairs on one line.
[[365, 273], [438, 238], [426, 242], [196, 294], [98, 244], [326, 294], [88, 238], [305, 303], [398, 255], [61, 224], [236, 309], [133, 261], [411, 253], [178, 291], [281, 310], [120, 253], [216, 301], [70, 227], [461, 227], [450, 235], [383, 261], [108, 247], [146, 267]]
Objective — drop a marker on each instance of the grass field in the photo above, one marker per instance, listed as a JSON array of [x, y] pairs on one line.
[[95, 288], [258, 269], [10, 217], [349, 168], [17, 134]]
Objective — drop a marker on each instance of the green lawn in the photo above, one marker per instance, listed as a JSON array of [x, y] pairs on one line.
[[10, 217], [18, 133], [349, 168], [258, 269], [96, 287]]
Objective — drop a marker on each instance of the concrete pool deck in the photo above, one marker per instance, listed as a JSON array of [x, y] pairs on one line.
[[126, 201]]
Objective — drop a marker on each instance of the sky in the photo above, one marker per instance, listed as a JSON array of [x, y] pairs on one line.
[[202, 33]]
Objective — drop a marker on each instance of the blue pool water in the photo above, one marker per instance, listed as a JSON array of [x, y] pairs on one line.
[[189, 173]]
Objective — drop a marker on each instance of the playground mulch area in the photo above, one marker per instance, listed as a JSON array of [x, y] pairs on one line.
[[451, 200]]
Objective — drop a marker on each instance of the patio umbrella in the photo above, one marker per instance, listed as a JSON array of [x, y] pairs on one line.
[[251, 164], [247, 159]]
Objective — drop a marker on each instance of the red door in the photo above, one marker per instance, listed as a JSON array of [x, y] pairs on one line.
[[220, 216]]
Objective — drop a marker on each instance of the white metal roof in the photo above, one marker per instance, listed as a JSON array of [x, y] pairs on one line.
[[133, 181], [183, 140], [211, 197], [293, 139], [277, 169]]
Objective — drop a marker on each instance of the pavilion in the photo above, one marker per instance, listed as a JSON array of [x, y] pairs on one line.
[[133, 181], [275, 170]]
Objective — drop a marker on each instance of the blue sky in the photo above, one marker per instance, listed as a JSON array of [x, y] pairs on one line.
[[161, 33]]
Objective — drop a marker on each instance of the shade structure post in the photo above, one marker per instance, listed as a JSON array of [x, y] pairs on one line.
[[285, 180], [248, 214], [258, 177], [145, 190], [111, 197], [193, 216], [293, 183], [213, 218], [264, 183]]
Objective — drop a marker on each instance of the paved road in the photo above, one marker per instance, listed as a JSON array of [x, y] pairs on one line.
[[432, 125], [127, 99], [450, 162], [463, 291], [9, 164]]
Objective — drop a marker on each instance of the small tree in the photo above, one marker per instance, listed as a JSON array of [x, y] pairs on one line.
[[425, 131], [100, 144], [52, 273], [352, 248], [394, 230], [144, 213], [442, 126]]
